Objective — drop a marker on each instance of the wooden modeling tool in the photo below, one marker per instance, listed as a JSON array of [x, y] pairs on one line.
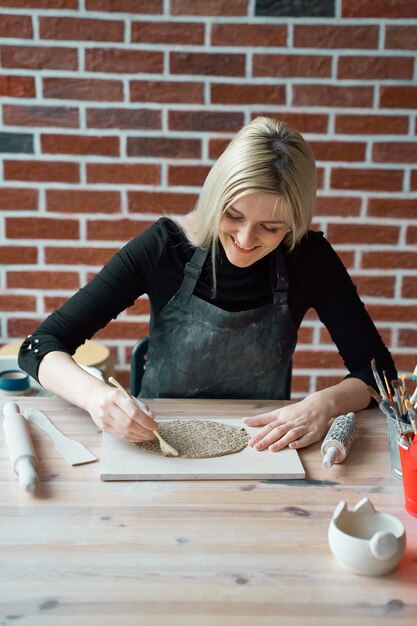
[[20, 446], [166, 449], [74, 452]]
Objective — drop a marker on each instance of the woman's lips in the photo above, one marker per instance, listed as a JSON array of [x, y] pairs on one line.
[[242, 250]]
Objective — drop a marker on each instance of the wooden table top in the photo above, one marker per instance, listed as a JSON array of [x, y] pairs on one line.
[[194, 553]]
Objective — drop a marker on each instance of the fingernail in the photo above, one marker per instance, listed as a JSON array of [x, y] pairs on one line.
[[258, 446]]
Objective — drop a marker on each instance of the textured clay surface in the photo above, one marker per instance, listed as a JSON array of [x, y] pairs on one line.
[[199, 439]]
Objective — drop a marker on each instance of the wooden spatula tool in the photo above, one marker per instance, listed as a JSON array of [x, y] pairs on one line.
[[166, 449], [73, 451]]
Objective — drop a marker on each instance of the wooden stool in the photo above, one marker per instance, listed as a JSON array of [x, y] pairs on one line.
[[10, 349], [94, 354], [91, 353]]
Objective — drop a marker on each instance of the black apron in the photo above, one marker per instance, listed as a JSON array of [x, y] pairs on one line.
[[197, 350]]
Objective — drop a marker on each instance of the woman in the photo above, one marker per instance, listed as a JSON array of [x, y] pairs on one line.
[[228, 286]]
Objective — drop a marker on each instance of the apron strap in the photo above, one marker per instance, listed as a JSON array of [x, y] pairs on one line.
[[279, 277], [279, 274], [192, 271]]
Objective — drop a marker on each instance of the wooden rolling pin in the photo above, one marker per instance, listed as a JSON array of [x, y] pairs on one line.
[[20, 446]]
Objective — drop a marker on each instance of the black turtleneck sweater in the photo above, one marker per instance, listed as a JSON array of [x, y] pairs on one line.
[[153, 263]]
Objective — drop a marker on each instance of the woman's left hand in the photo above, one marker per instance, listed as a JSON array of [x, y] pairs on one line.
[[295, 425]]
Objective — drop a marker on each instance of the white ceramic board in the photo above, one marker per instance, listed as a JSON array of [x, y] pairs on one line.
[[120, 460]]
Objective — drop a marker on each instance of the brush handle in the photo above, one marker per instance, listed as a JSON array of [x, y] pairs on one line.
[[20, 447]]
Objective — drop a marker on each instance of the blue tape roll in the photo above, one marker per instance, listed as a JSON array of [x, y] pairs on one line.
[[14, 380]]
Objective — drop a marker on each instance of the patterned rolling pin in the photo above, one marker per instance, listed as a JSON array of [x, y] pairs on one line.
[[338, 440]]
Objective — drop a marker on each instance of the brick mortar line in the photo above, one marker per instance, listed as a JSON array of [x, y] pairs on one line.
[[251, 8], [244, 107], [237, 108], [207, 80], [212, 49], [92, 131], [402, 237], [191, 135], [35, 27], [214, 78], [381, 36], [81, 60], [42, 201], [206, 48], [199, 134], [83, 172], [218, 19], [407, 181], [336, 193]]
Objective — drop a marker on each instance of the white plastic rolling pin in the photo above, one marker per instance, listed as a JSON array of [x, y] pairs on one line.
[[20, 447], [338, 440]]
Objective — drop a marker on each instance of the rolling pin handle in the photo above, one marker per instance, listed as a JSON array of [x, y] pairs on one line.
[[25, 469], [10, 409], [20, 447], [330, 457]]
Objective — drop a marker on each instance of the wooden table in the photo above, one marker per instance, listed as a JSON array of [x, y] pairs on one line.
[[198, 553]]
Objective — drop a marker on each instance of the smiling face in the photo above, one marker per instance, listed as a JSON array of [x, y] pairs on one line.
[[251, 228]]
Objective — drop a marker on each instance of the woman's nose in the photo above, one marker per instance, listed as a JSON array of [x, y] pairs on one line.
[[246, 236]]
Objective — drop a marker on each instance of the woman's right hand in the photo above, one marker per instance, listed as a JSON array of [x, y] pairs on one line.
[[120, 417]]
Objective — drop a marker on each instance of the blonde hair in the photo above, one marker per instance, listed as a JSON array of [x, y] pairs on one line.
[[266, 156]]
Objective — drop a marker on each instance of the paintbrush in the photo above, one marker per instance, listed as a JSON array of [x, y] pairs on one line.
[[387, 385], [414, 396], [378, 381], [386, 407], [402, 378], [374, 394], [397, 396], [411, 414]]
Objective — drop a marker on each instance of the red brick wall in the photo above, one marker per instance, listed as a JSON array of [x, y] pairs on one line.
[[113, 110]]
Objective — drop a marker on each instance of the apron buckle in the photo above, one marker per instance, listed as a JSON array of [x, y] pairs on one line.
[[193, 270]]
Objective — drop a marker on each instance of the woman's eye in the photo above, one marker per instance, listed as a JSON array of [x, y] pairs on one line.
[[270, 230], [232, 217]]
